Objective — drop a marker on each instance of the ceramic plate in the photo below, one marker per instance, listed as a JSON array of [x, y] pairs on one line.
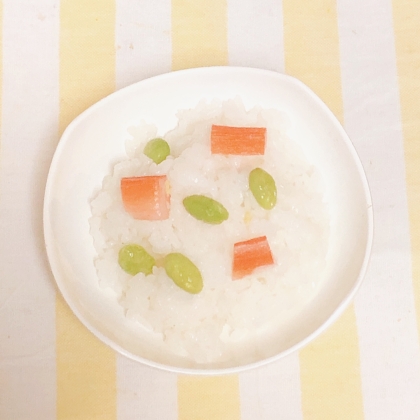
[[96, 139]]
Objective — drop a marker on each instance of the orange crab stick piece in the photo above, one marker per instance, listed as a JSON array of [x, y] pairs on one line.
[[249, 255], [146, 197], [227, 140]]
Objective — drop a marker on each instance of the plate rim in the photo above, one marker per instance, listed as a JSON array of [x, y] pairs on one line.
[[48, 234]]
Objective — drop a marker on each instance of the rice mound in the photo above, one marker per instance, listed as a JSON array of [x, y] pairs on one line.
[[202, 327]]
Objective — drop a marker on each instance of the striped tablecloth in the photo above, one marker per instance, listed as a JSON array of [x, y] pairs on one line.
[[362, 57]]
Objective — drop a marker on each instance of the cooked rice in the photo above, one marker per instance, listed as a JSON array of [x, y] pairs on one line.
[[202, 327]]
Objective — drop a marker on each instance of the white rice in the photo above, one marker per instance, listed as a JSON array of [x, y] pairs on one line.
[[202, 327]]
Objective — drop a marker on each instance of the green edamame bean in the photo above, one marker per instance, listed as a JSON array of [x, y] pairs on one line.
[[157, 150], [263, 188], [205, 209], [183, 272], [134, 259]]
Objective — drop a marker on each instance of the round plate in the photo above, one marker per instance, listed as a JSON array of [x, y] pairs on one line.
[[96, 139]]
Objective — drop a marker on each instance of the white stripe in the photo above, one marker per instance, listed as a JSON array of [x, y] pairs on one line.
[[389, 348], [28, 137], [145, 393], [143, 42], [272, 392], [255, 39], [143, 39], [255, 34]]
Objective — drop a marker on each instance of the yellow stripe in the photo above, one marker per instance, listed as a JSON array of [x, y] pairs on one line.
[[199, 33], [311, 48], [87, 55], [330, 374], [406, 15], [208, 398], [86, 371], [86, 368], [330, 367], [199, 38]]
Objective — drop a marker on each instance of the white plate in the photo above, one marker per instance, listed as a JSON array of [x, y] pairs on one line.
[[95, 140]]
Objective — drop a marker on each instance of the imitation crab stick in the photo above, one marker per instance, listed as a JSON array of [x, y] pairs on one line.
[[146, 197], [227, 140], [249, 255]]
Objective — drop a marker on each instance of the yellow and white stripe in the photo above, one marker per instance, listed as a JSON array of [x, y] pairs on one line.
[[407, 44], [203, 398], [255, 34], [330, 367], [86, 368], [255, 37], [199, 33], [143, 40], [361, 58], [272, 391], [390, 359], [29, 99], [143, 49], [199, 38], [145, 393]]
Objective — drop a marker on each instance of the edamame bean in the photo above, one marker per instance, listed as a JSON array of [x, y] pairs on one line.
[[183, 272], [134, 259], [263, 188], [157, 150], [205, 209]]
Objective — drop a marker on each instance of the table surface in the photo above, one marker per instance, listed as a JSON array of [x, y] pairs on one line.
[[361, 57]]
